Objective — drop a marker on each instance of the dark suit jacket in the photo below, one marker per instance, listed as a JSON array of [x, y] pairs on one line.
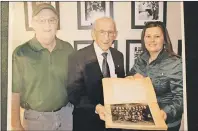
[[85, 87]]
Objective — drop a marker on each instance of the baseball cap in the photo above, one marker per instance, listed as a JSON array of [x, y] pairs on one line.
[[42, 6]]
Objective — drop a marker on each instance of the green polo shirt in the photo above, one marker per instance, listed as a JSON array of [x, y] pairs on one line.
[[40, 76]]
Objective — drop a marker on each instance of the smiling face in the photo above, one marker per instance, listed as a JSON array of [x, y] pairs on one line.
[[154, 39], [45, 24], [104, 33]]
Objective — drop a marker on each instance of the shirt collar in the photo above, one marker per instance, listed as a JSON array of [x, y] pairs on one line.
[[98, 50], [36, 45], [162, 55]]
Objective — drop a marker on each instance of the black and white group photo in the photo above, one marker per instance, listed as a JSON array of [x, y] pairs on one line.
[[133, 113]]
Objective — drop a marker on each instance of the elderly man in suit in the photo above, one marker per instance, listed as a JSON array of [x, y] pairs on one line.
[[87, 68]]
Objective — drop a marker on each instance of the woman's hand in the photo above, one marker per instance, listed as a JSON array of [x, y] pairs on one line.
[[163, 113], [129, 77], [138, 76]]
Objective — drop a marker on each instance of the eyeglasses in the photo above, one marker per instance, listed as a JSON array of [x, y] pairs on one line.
[[50, 21], [103, 33]]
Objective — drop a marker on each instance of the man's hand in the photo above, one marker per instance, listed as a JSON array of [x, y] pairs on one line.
[[100, 109], [163, 113]]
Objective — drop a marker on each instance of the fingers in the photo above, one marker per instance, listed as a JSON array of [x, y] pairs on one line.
[[102, 116], [101, 111], [163, 114], [129, 77], [99, 108], [138, 76]]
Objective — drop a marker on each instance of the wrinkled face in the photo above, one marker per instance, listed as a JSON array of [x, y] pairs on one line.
[[154, 39], [104, 33], [45, 24]]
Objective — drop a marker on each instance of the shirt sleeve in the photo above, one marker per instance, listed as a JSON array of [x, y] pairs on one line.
[[175, 108], [16, 74]]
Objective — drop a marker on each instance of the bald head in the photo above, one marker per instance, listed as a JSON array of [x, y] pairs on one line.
[[104, 32], [103, 20]]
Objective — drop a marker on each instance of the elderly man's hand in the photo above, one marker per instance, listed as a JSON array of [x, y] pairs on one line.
[[100, 109]]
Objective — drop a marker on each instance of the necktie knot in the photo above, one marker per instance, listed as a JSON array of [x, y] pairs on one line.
[[105, 55]]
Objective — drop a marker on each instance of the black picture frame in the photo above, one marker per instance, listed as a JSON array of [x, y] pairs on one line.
[[84, 43], [129, 53], [179, 48], [84, 24], [28, 9], [139, 24]]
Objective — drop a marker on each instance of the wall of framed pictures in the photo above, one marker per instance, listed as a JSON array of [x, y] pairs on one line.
[[75, 23]]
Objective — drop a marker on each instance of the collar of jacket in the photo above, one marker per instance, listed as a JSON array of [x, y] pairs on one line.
[[162, 55]]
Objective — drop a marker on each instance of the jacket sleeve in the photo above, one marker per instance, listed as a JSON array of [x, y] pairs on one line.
[[76, 85], [175, 108], [135, 67]]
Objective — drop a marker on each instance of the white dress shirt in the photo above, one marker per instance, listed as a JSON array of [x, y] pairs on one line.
[[100, 58]]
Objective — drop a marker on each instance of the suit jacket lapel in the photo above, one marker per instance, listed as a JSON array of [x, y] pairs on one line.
[[115, 59], [116, 62], [92, 64]]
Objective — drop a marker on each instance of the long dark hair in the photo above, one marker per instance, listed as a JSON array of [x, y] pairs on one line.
[[167, 42]]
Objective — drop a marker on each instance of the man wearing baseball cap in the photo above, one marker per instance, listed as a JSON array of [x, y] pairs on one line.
[[39, 76]]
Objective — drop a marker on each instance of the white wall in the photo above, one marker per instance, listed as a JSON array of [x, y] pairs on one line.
[[69, 29]]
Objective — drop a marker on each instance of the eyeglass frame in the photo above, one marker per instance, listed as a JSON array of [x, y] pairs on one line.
[[47, 20]]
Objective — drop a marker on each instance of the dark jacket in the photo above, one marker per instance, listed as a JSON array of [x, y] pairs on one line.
[[166, 75], [85, 87]]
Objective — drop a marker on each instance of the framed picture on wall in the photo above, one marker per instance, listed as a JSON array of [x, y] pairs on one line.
[[144, 11], [179, 48], [83, 43], [28, 9], [89, 11], [133, 49]]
